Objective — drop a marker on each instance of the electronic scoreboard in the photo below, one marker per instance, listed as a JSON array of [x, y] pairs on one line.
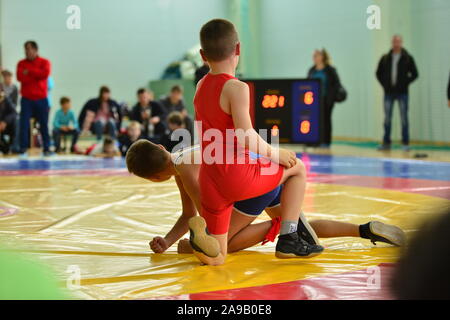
[[287, 108]]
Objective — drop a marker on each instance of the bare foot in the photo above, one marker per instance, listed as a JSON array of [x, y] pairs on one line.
[[211, 261]]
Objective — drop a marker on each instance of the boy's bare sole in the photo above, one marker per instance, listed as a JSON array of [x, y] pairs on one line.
[[200, 240]]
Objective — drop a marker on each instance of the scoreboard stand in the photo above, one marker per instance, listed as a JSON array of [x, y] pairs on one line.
[[289, 109]]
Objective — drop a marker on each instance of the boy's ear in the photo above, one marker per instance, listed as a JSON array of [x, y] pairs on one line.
[[161, 146], [203, 55], [238, 49]]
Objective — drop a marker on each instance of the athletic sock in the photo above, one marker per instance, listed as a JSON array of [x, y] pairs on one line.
[[364, 230], [288, 226]]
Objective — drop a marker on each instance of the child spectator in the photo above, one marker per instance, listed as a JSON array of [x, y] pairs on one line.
[[10, 89], [65, 124], [7, 122], [175, 121], [107, 149], [133, 134]]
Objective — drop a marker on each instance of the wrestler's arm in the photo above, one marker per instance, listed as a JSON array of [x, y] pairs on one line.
[[236, 96], [159, 244], [189, 174]]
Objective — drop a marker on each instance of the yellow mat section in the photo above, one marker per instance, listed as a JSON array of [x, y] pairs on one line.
[[101, 225]]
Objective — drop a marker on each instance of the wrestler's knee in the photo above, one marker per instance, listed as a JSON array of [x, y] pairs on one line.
[[300, 168]]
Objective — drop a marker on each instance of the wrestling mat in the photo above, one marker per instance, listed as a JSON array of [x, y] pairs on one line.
[[90, 222]]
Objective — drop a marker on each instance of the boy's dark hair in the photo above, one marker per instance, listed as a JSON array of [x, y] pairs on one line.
[[31, 43], [177, 88], [103, 89], [176, 118], [141, 91], [145, 159], [108, 141], [64, 100], [218, 39], [6, 73]]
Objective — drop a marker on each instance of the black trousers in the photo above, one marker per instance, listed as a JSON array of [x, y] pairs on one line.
[[327, 123], [10, 131]]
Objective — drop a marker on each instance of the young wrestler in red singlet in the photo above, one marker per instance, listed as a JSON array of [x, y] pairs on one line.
[[227, 173]]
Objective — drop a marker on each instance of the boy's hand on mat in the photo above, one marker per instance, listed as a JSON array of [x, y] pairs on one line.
[[158, 245], [286, 158]]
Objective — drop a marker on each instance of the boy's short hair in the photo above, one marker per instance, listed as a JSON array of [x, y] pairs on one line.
[[141, 91], [6, 73], [134, 124], [218, 39], [64, 100], [108, 141], [103, 89], [31, 43], [145, 159], [175, 118], [177, 88]]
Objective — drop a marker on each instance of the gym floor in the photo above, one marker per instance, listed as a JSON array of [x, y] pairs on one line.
[[90, 213]]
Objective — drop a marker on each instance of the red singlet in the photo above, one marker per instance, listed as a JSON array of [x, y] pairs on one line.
[[222, 184]]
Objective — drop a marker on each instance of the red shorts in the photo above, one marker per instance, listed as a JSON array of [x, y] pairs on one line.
[[221, 185]]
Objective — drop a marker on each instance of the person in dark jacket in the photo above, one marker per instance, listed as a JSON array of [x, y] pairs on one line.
[[201, 72], [174, 102], [323, 70], [150, 114], [396, 71], [100, 115], [173, 140], [12, 93], [7, 122], [134, 133]]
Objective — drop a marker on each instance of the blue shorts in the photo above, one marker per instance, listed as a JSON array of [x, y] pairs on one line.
[[255, 206]]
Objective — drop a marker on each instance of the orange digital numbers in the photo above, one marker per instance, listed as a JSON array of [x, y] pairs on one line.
[[308, 98], [275, 131], [305, 127], [271, 101]]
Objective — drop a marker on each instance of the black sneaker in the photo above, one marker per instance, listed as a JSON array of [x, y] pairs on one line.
[[379, 231], [292, 246], [305, 231]]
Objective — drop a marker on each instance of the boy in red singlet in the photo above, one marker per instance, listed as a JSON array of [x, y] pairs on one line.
[[227, 173]]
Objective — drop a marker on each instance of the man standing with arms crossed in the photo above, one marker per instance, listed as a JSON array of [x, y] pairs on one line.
[[396, 71], [33, 73]]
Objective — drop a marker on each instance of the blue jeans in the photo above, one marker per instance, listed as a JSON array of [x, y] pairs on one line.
[[99, 128], [39, 110], [389, 100]]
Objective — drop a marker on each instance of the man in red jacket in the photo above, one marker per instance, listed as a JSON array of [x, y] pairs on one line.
[[33, 73]]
